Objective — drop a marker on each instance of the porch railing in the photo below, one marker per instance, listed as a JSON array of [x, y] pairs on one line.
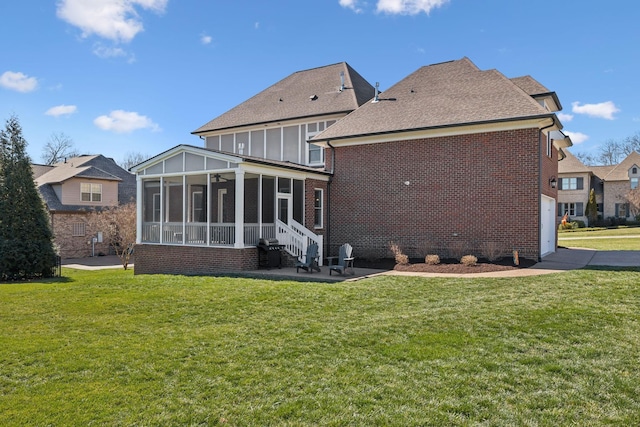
[[296, 238], [195, 233]]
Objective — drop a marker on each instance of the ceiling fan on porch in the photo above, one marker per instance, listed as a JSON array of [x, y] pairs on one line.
[[219, 177]]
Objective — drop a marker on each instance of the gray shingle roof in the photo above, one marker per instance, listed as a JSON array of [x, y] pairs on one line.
[[441, 95], [292, 98], [96, 167], [621, 171], [571, 164]]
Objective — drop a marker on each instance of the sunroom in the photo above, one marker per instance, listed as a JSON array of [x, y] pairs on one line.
[[199, 197]]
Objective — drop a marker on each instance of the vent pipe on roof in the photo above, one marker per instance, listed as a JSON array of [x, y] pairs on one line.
[[375, 98], [341, 81]]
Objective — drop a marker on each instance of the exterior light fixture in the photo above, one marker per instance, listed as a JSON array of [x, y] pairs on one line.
[[552, 182]]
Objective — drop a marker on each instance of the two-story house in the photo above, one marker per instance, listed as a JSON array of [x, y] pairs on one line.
[[72, 189], [450, 155], [611, 184]]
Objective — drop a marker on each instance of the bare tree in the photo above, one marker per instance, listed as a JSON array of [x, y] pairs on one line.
[[611, 152], [118, 227], [58, 147], [586, 158], [131, 159], [633, 198], [631, 143]]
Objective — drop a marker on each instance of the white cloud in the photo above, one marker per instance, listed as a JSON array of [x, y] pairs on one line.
[[115, 20], [256, 25], [61, 110], [576, 137], [18, 81], [351, 4], [106, 52], [565, 117], [408, 7], [205, 39], [120, 121], [603, 110]]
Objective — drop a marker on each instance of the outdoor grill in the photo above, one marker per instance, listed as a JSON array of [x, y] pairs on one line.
[[270, 253]]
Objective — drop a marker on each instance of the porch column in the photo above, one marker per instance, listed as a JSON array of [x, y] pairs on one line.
[[239, 208], [139, 199]]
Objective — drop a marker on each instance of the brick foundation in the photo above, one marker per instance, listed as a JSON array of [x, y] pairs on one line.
[[193, 260]]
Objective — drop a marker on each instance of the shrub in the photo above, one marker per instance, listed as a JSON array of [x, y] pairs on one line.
[[577, 223], [469, 260], [457, 249], [400, 257], [432, 259], [490, 250]]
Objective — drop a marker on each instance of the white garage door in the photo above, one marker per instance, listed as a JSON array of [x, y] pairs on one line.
[[547, 225]]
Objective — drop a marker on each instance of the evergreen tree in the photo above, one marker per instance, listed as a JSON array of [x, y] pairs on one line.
[[26, 239], [592, 209]]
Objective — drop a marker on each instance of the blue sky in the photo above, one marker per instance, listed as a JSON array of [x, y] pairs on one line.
[[120, 76]]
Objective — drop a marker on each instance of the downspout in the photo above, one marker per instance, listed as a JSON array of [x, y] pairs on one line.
[[540, 131], [333, 168]]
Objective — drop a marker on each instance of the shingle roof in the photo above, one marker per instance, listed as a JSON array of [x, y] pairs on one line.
[[39, 170], [94, 166], [440, 95], [621, 171], [292, 98], [571, 164]]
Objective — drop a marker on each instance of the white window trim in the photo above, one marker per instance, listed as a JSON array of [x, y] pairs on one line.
[[315, 208], [94, 189]]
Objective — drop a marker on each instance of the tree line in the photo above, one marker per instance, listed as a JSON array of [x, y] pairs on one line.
[[611, 152]]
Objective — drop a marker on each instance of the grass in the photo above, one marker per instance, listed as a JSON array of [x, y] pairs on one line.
[[602, 239], [110, 348]]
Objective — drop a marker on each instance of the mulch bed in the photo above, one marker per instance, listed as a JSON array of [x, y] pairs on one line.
[[451, 266]]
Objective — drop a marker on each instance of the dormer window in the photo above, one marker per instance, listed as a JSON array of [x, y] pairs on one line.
[[634, 170], [90, 192]]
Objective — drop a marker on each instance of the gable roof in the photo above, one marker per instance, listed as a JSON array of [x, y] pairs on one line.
[[87, 166], [571, 163], [537, 90], [621, 171], [293, 97], [441, 95]]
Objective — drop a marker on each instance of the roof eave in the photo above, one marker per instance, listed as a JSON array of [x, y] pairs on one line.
[[324, 141]]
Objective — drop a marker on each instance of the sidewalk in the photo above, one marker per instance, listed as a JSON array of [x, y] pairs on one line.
[[564, 259]]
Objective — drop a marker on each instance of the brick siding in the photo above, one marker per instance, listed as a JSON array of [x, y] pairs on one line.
[[168, 259], [71, 246], [462, 191]]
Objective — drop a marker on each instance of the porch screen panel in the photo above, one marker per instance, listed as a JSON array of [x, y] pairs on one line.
[[242, 142], [226, 143], [268, 199], [298, 201], [213, 142], [251, 200], [257, 143], [173, 199], [152, 170], [273, 144], [151, 201], [291, 143]]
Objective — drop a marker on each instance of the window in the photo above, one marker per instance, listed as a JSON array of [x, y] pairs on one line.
[[90, 192], [78, 229], [316, 153], [634, 171], [317, 205], [549, 147], [573, 209], [622, 210], [634, 183], [571, 184]]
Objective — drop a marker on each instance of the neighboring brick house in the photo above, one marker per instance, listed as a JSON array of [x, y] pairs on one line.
[[610, 183], [449, 157], [74, 188]]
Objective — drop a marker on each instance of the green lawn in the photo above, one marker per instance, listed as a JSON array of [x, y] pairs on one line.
[[602, 239], [109, 348]]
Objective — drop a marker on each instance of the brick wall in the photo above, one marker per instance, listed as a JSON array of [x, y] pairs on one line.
[[167, 259], [432, 195], [71, 246]]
